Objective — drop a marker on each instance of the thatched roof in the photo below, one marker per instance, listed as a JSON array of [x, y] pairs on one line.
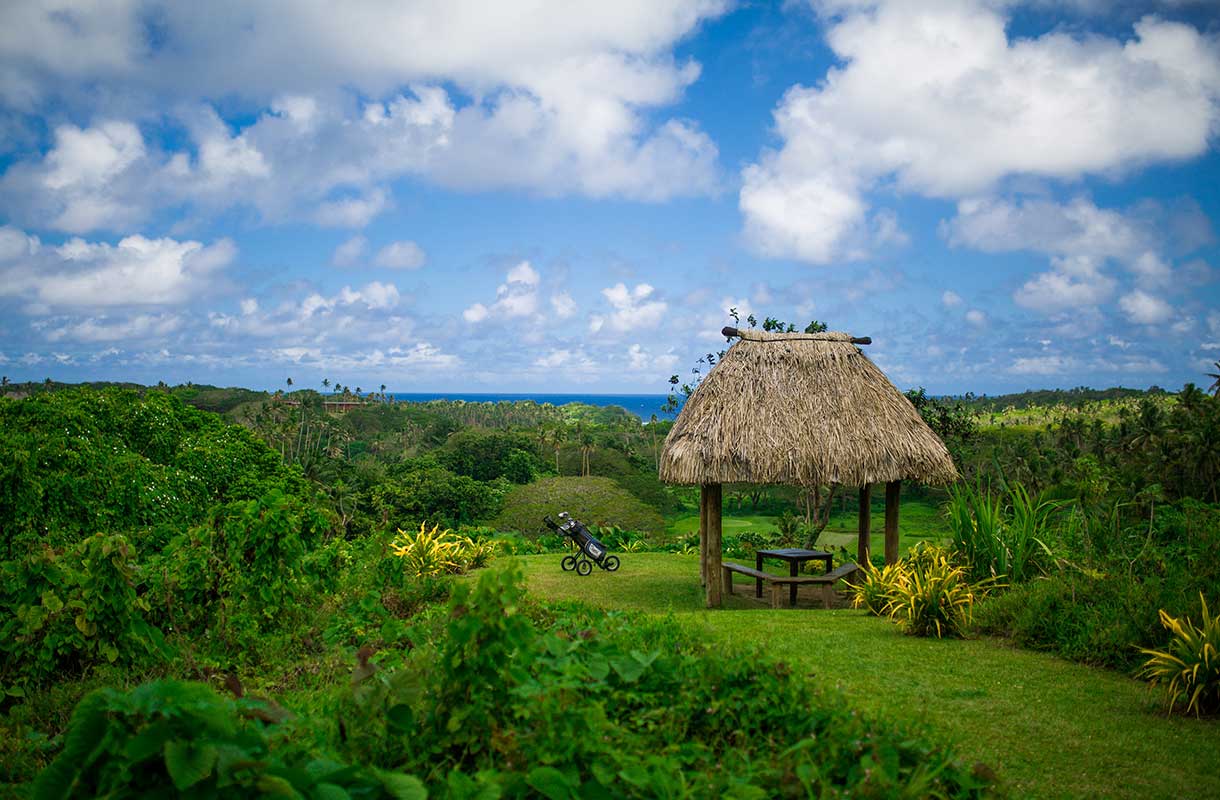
[[802, 409]]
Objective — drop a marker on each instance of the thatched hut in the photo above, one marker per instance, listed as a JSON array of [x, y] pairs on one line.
[[803, 409]]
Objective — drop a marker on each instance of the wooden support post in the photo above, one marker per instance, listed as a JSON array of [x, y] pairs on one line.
[[863, 543], [893, 493], [703, 535], [715, 568]]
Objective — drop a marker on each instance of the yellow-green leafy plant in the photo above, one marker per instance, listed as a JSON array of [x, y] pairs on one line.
[[937, 597], [876, 589], [428, 552], [476, 554], [1189, 668]]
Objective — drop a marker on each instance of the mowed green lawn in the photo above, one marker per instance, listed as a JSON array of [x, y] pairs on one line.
[[918, 520], [1051, 728]]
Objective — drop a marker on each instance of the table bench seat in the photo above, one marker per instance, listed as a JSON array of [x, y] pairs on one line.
[[778, 582], [837, 574]]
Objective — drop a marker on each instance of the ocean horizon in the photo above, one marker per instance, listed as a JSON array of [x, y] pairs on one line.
[[642, 405]]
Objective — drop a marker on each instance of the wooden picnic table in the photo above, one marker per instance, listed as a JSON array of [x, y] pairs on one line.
[[795, 556]]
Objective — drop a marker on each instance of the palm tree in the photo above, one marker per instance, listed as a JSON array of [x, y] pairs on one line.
[[1190, 398], [552, 435], [656, 453], [587, 443], [290, 383], [1150, 423], [1215, 387], [326, 383]]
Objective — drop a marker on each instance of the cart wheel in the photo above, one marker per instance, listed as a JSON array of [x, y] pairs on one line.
[[583, 567], [568, 564], [610, 564]]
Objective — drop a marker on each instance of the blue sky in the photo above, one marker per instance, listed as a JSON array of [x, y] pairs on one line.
[[569, 196]]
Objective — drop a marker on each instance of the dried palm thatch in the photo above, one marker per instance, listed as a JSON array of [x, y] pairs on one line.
[[802, 409]]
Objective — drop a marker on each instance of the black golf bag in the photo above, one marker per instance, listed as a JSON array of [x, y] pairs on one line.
[[589, 550]]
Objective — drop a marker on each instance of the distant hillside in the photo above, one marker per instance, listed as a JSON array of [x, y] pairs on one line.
[[201, 396], [1055, 397]]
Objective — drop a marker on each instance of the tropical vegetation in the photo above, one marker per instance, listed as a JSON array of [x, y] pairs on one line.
[[288, 592]]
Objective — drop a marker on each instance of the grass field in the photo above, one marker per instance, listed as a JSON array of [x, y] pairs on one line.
[[918, 520], [1051, 728]]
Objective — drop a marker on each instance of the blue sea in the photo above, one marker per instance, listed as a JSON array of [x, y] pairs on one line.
[[642, 405]]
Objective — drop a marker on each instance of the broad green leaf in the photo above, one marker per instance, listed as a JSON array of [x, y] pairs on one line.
[[188, 765], [628, 668], [147, 742], [402, 787], [329, 791], [598, 667], [401, 718], [550, 782], [51, 602], [276, 786]]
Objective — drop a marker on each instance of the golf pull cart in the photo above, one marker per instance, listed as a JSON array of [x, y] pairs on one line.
[[589, 551]]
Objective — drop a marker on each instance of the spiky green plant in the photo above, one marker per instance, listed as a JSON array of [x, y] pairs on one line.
[[875, 591], [936, 598], [476, 554], [428, 552], [1189, 668], [1025, 548], [999, 535]]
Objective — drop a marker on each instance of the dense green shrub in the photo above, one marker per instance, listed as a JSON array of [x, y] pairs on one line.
[[645, 485], [423, 490], [486, 455], [78, 461], [583, 705], [1100, 607], [597, 501], [245, 571], [1097, 618], [498, 699], [64, 611], [171, 738]]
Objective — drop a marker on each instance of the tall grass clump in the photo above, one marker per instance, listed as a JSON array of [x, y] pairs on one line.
[[1189, 668], [1000, 535]]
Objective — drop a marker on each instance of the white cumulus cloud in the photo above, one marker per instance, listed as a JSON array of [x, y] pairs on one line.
[[401, 255], [350, 252], [936, 99], [137, 271], [516, 298], [555, 98], [1145, 309], [632, 309]]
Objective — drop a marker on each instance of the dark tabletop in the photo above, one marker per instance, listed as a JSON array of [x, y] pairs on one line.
[[793, 553]]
